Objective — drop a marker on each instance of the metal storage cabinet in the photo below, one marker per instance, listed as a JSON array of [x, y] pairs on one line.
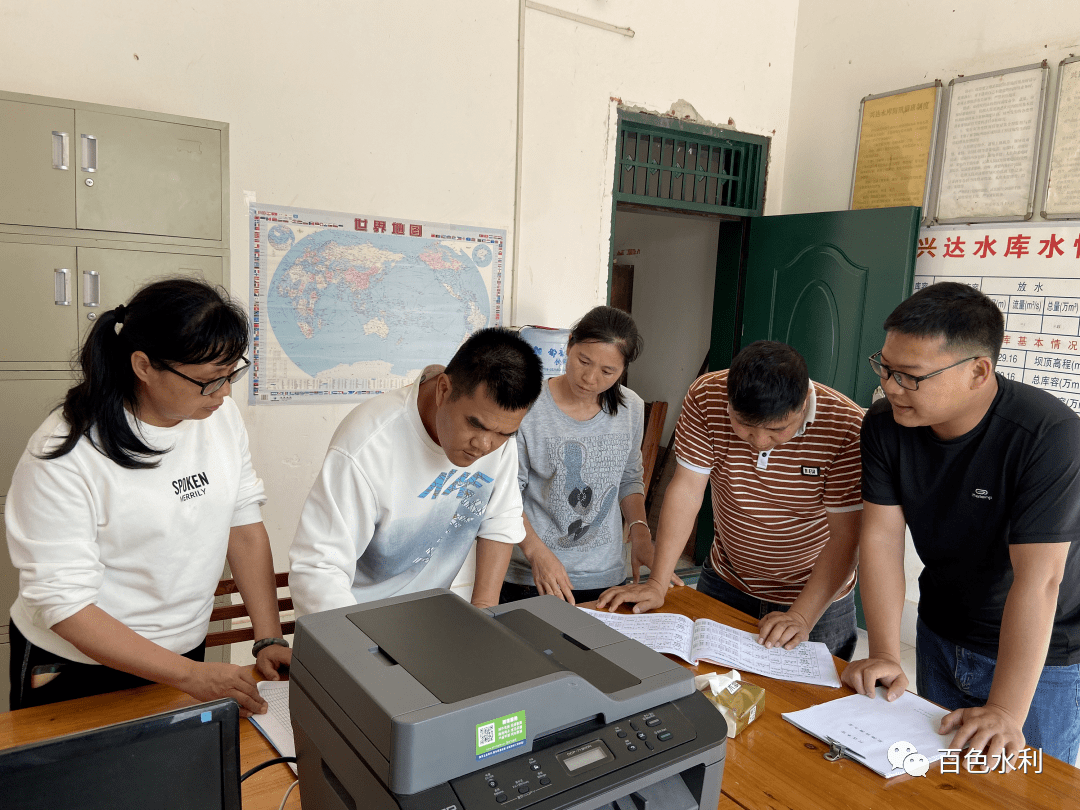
[[88, 168], [39, 186], [95, 201]]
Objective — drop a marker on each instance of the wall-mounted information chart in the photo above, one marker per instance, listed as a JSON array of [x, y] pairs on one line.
[[895, 151], [992, 134], [1063, 187], [1032, 272]]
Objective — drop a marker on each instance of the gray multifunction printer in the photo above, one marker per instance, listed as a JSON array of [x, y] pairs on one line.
[[423, 702]]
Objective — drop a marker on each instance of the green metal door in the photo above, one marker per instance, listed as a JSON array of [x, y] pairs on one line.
[[825, 282]]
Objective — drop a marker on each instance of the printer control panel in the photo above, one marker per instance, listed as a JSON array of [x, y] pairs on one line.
[[538, 775]]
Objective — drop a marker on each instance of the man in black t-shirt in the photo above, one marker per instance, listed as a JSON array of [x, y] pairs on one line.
[[985, 472]]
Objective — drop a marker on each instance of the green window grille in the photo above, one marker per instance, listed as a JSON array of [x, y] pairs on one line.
[[678, 165]]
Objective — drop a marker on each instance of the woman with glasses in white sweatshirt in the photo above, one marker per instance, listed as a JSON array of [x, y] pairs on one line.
[[126, 504]]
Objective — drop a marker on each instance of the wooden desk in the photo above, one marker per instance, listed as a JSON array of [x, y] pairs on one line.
[[769, 766], [772, 764], [262, 790]]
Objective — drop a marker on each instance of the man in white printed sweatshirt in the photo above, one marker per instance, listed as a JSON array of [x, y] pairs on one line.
[[413, 476]]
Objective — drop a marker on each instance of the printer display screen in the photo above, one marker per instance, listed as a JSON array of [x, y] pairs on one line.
[[588, 754], [581, 760]]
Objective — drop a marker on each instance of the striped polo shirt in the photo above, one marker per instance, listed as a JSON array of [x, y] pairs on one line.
[[769, 508]]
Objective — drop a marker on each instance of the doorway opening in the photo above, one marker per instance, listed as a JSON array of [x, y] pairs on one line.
[[682, 195]]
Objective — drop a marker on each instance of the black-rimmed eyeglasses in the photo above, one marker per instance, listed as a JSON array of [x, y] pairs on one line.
[[911, 383], [208, 388]]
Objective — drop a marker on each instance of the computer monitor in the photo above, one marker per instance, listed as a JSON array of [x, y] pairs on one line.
[[183, 759]]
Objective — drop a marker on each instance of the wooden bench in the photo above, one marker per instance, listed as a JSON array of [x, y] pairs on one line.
[[236, 611]]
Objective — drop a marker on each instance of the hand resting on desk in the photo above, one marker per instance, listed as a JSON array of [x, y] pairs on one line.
[[863, 676], [648, 596], [783, 629], [273, 662]]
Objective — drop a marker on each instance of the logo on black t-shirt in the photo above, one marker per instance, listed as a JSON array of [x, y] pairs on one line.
[[191, 486], [811, 471], [982, 495]]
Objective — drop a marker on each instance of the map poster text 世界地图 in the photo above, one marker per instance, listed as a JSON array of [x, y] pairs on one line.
[[345, 306]]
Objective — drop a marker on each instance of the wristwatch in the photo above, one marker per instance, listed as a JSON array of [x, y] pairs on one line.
[[263, 643]]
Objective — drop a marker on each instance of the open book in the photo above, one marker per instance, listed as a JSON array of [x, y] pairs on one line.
[[706, 640], [890, 739]]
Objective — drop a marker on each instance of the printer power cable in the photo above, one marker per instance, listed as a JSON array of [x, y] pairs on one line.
[[267, 764]]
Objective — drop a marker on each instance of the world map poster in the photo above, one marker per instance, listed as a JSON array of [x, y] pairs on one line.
[[346, 305]]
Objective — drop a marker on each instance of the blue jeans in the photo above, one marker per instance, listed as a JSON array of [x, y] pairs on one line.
[[957, 678], [835, 629]]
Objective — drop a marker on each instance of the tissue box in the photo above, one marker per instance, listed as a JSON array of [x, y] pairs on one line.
[[739, 701]]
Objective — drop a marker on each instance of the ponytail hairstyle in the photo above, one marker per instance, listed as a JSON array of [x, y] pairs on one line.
[[176, 320], [609, 325]]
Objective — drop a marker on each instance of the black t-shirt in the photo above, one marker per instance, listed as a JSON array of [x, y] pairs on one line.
[[1014, 478]]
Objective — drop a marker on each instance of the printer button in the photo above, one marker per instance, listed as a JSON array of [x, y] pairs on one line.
[[492, 783], [631, 747], [633, 725], [641, 735], [653, 721], [524, 788], [663, 735], [535, 766], [648, 745], [544, 780], [501, 797], [620, 734]]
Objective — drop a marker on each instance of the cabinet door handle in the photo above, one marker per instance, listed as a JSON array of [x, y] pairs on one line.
[[60, 150], [89, 153], [62, 287], [91, 285]]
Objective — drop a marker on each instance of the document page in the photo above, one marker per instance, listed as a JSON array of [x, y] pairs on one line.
[[276, 724], [706, 640], [664, 632], [880, 733], [810, 662]]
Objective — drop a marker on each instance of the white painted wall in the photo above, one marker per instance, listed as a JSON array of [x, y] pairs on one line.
[[729, 60], [674, 275], [848, 49], [409, 109]]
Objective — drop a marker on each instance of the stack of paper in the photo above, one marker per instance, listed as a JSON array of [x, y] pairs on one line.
[[276, 724], [890, 739]]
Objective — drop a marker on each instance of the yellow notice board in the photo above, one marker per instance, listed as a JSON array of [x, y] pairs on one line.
[[896, 143]]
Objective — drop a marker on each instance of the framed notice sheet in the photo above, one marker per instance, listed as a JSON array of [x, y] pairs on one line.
[[1063, 187], [992, 132], [895, 151]]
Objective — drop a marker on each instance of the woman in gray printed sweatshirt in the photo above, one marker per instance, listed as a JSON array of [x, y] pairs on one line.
[[580, 472]]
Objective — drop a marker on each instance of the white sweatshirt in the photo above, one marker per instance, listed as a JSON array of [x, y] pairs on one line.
[[390, 514], [146, 546]]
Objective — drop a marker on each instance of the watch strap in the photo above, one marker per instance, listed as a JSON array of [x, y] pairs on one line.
[[263, 643]]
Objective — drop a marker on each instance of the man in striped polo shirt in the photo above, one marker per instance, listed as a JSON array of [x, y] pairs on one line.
[[782, 455]]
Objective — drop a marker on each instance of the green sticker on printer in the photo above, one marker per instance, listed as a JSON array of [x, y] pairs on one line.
[[500, 734]]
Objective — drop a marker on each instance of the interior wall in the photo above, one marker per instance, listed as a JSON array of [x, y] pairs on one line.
[[410, 109], [569, 159], [847, 49], [674, 273]]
